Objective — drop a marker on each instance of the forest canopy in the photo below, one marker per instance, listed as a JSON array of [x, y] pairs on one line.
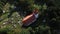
[[13, 11]]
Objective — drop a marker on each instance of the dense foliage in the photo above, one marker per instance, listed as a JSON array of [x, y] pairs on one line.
[[12, 12]]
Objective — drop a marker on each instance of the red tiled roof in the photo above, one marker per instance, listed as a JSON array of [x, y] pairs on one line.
[[28, 19]]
